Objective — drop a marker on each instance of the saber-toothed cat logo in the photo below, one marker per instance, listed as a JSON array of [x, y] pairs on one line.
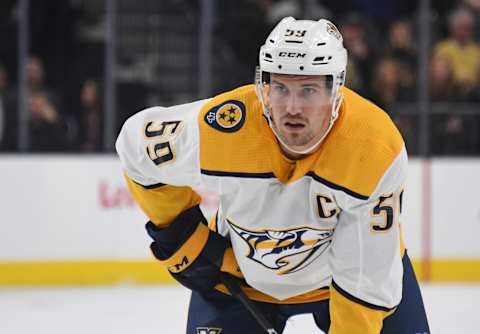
[[285, 251]]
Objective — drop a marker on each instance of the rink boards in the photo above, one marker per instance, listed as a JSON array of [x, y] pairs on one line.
[[70, 220]]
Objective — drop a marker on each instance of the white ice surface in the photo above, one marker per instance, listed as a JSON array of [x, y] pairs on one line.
[[452, 309]]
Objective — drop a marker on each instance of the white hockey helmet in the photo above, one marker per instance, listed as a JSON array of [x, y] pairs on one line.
[[303, 47]]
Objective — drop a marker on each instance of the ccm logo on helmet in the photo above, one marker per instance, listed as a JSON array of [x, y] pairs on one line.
[[292, 54]]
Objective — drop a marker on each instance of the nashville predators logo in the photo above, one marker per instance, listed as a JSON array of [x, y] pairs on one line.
[[285, 251], [228, 116], [332, 30]]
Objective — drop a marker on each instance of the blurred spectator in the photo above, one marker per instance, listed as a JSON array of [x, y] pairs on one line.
[[461, 50], [386, 86], [47, 129], [375, 32], [36, 76], [441, 11], [400, 47], [451, 133], [90, 118], [473, 4], [35, 73], [442, 84], [36, 80], [360, 57], [474, 7], [386, 91]]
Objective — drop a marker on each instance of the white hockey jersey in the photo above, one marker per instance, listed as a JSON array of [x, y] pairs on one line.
[[295, 226]]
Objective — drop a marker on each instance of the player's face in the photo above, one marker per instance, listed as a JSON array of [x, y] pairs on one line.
[[300, 108]]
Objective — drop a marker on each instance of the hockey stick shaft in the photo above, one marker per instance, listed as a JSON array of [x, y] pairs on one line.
[[237, 292]]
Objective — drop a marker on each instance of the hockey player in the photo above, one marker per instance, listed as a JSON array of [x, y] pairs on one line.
[[310, 177]]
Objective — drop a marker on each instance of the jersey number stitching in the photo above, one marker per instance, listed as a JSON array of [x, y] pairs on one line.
[[385, 207], [159, 135]]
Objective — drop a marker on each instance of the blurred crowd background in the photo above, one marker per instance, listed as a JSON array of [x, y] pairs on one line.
[[168, 52]]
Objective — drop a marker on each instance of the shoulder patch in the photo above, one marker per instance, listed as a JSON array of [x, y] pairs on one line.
[[227, 116]]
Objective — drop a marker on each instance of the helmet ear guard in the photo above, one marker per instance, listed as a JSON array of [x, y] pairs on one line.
[[262, 89], [303, 47]]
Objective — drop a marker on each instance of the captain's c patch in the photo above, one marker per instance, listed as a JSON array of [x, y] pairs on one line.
[[228, 116]]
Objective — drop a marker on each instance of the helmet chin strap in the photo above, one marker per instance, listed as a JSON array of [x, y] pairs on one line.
[[314, 146]]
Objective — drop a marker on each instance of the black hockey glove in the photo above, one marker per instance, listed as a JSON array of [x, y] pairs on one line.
[[193, 254]]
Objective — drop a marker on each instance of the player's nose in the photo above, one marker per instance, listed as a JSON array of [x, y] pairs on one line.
[[293, 105]]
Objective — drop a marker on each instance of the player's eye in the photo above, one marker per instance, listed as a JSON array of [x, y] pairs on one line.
[[307, 91], [280, 89]]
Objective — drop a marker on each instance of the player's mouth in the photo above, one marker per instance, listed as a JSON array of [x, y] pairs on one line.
[[294, 126]]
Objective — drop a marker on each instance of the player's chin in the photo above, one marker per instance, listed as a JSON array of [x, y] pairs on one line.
[[296, 141]]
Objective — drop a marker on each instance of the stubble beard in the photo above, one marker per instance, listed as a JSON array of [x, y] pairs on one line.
[[295, 140]]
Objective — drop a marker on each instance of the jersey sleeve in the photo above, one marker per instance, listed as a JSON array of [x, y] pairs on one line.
[[159, 151], [366, 257]]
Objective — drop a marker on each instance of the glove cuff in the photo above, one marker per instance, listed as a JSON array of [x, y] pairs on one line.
[[230, 264], [188, 252]]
